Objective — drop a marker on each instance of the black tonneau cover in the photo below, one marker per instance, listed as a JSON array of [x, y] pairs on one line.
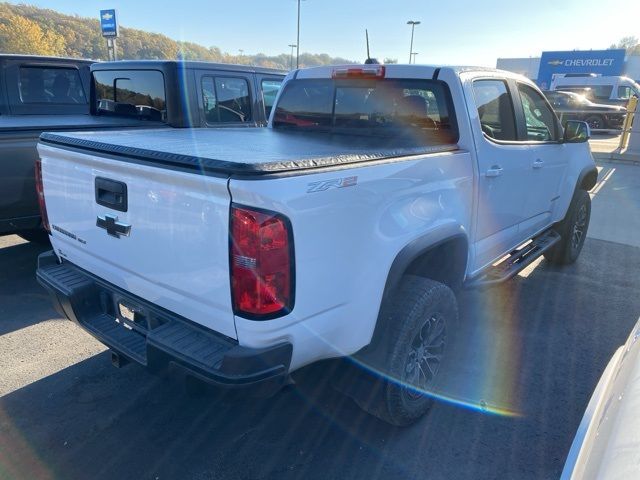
[[237, 151]]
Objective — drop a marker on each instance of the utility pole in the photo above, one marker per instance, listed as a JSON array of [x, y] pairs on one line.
[[413, 26], [292, 45], [414, 56]]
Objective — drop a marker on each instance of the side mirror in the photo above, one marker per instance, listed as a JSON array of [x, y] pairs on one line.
[[576, 132]]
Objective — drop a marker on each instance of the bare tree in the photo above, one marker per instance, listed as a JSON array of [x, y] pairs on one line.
[[630, 44]]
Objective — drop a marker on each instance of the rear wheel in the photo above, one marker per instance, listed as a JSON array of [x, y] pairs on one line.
[[573, 230], [420, 323]]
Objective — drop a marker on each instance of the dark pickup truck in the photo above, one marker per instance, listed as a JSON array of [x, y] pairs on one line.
[[572, 106], [62, 94]]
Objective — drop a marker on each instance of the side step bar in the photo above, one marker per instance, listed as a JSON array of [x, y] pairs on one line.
[[517, 261]]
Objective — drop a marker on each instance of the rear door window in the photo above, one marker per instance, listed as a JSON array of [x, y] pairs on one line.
[[495, 109], [131, 93], [51, 85], [226, 99]]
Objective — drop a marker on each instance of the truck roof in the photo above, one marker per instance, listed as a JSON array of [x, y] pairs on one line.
[[395, 70], [43, 58], [236, 151], [187, 64]]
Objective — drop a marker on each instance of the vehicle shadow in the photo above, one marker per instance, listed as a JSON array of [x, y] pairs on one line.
[[532, 350], [18, 281]]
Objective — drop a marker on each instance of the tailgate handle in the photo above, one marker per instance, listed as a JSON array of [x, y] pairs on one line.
[[111, 194]]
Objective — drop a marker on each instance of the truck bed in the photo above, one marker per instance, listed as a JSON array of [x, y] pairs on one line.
[[237, 151]]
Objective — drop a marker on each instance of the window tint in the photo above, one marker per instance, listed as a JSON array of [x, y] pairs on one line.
[[390, 108], [539, 118], [602, 92], [135, 93], [51, 85], [305, 104], [226, 99], [269, 92], [625, 92], [495, 109], [593, 92]]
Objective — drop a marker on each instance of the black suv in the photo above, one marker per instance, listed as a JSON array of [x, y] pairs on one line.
[[571, 106]]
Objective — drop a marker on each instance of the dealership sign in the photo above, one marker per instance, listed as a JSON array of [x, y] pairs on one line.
[[603, 62], [108, 23]]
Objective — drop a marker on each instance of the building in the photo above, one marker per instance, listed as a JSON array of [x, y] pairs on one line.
[[603, 62]]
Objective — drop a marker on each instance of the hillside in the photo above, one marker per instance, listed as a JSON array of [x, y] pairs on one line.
[[31, 30]]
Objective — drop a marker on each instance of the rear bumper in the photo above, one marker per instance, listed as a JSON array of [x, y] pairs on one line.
[[12, 225], [156, 337], [615, 120]]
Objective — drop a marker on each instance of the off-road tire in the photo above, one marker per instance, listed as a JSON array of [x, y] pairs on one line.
[[572, 230], [412, 318]]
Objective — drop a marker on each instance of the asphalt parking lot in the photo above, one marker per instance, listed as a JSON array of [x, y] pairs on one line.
[[534, 349]]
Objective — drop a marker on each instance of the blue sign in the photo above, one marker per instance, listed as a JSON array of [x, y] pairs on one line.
[[604, 62], [108, 23]]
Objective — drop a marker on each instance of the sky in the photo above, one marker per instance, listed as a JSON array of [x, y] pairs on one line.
[[475, 32]]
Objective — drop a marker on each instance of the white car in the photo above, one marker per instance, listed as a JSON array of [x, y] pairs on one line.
[[599, 89], [343, 229], [607, 444]]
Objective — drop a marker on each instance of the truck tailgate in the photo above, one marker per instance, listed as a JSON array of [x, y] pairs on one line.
[[169, 245]]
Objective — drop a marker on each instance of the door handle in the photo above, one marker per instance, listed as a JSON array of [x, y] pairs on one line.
[[538, 163], [494, 171]]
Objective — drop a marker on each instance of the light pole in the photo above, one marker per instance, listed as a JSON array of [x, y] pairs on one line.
[[292, 45], [298, 42], [414, 56], [413, 26]]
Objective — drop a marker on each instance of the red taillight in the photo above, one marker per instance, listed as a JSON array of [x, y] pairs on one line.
[[261, 263], [373, 71], [40, 193]]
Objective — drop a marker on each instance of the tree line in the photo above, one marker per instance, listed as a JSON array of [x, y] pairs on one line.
[[37, 31]]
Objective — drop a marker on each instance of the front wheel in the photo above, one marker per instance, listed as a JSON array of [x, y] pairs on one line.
[[595, 122], [572, 230]]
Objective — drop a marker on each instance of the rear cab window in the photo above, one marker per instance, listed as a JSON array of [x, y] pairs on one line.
[[130, 93], [50, 85], [412, 112]]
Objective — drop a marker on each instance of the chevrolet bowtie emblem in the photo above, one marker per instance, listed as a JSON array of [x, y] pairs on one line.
[[555, 63], [113, 226], [107, 16]]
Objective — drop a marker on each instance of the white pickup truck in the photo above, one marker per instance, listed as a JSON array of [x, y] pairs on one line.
[[343, 229]]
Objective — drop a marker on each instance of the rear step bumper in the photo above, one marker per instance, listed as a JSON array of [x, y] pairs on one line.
[[156, 337]]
